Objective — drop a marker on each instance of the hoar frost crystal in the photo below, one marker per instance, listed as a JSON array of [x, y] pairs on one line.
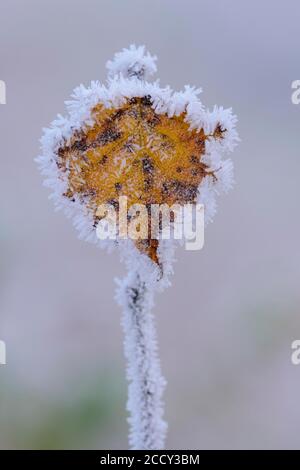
[[133, 138]]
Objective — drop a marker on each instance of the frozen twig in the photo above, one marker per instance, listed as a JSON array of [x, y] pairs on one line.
[[146, 384], [131, 137]]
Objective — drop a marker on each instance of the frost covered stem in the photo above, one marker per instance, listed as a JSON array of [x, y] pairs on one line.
[[146, 384]]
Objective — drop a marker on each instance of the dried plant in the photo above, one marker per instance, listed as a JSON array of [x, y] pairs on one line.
[[133, 138]]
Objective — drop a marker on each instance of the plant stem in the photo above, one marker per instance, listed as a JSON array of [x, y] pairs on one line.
[[146, 384]]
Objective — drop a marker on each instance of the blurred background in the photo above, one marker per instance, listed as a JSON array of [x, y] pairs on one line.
[[227, 323]]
